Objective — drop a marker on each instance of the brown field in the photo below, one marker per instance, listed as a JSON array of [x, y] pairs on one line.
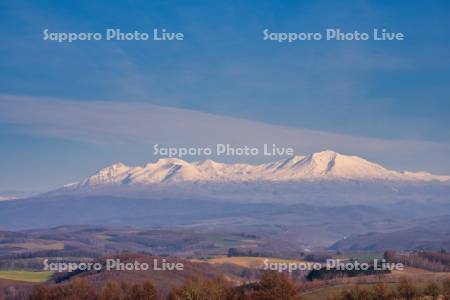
[[246, 262], [326, 290], [38, 245]]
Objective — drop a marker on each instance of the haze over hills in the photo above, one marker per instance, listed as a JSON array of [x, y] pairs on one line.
[[319, 198], [428, 234], [325, 165], [322, 178]]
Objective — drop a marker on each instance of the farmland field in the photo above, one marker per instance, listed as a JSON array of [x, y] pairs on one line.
[[246, 262], [26, 276]]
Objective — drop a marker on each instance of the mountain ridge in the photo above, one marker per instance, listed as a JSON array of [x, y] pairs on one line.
[[324, 165]]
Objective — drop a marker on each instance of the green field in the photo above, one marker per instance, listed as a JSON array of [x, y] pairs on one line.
[[27, 276]]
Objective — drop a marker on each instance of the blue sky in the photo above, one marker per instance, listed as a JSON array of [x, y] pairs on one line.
[[396, 93]]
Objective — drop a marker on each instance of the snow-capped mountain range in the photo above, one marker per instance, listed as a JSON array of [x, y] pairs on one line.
[[326, 165]]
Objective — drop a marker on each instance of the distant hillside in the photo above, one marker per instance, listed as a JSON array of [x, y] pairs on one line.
[[433, 235], [164, 281]]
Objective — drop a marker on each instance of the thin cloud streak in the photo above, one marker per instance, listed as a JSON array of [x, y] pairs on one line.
[[140, 124]]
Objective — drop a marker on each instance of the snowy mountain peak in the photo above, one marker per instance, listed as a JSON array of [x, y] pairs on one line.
[[109, 175], [117, 167], [325, 154], [324, 165], [330, 163], [293, 159], [173, 161], [208, 163], [321, 160], [284, 163]]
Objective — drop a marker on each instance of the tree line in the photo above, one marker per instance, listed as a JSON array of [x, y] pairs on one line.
[[272, 285], [404, 290]]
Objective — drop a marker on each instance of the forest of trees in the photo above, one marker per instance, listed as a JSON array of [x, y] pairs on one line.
[[272, 285], [432, 261], [405, 290]]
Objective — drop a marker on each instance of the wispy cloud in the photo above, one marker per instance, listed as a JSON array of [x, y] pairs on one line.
[[113, 123]]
